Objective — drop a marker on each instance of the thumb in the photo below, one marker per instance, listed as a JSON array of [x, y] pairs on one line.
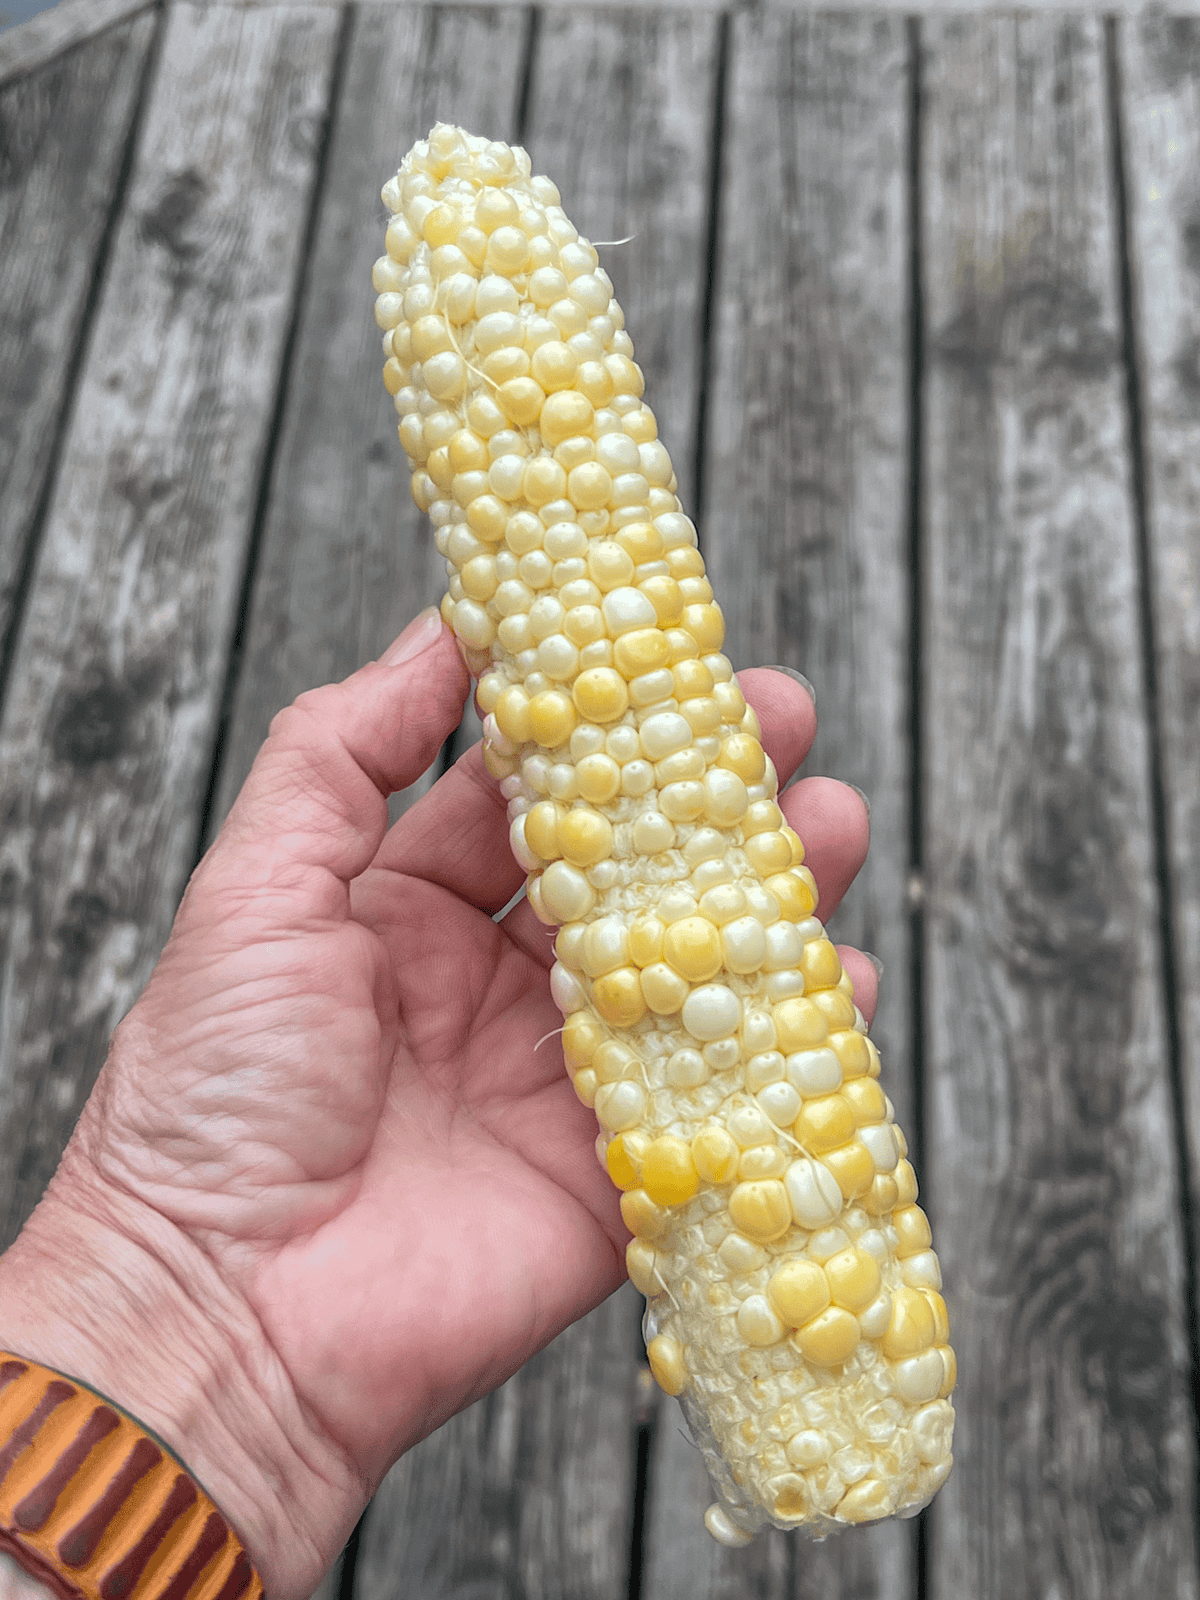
[[317, 793]]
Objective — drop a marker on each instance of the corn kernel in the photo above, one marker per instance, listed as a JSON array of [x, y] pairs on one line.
[[912, 1326], [664, 595], [837, 1009], [906, 1178], [541, 830], [820, 965], [589, 486], [758, 1323], [584, 836], [796, 899], [830, 1338], [643, 650], [912, 1225], [620, 1168], [715, 1154], [941, 1319], [867, 1101], [799, 1025], [743, 756], [761, 1210], [880, 1198], [667, 1364], [798, 1290], [641, 1263], [851, 1051], [669, 1174], [693, 948], [600, 695], [853, 1167], [599, 778], [663, 989], [865, 1501], [581, 1037], [854, 1279], [618, 997], [551, 718]]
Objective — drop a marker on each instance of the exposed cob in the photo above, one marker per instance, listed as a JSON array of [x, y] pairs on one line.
[[792, 1292]]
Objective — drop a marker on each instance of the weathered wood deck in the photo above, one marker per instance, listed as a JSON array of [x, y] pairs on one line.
[[918, 299]]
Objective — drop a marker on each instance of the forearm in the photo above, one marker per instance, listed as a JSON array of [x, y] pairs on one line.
[[117, 1299]]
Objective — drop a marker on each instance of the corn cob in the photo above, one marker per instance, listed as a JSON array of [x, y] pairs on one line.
[[792, 1294]]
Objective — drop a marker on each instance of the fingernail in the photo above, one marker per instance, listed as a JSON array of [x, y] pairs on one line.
[[863, 798], [875, 962], [418, 636], [790, 672]]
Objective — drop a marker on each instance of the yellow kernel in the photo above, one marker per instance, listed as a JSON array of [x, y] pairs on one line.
[[430, 336], [664, 595], [911, 1329], [881, 1196], [512, 714], [551, 718], [824, 1123], [506, 365], [565, 413], [799, 1291], [554, 367], [600, 694], [679, 766], [667, 1364], [691, 678], [582, 1036], [681, 644], [682, 802], [620, 1168], [715, 1153], [584, 1084], [642, 650], [478, 578], [684, 562], [589, 486], [854, 1279], [796, 843], [799, 1025], [609, 567], [641, 1216], [745, 757], [941, 1318], [641, 540], [598, 777], [906, 1178], [584, 836], [865, 1501], [693, 947], [438, 467], [911, 1223], [394, 377], [764, 816], [853, 1167], [796, 899], [617, 996], [543, 480], [487, 518], [521, 401], [702, 715], [663, 989], [729, 697], [594, 380], [950, 1362], [830, 1338], [837, 1007], [646, 940], [850, 1048], [770, 852], [867, 1101], [467, 452], [541, 830], [706, 625], [640, 425], [761, 1210], [641, 1263], [626, 375], [615, 1061], [873, 1069], [820, 965], [669, 1174]]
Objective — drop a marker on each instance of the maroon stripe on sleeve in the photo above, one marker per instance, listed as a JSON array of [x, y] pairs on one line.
[[34, 1510], [238, 1580], [213, 1537], [56, 1393], [78, 1545], [119, 1581], [10, 1371]]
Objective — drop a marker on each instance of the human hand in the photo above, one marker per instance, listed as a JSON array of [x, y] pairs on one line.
[[333, 1163]]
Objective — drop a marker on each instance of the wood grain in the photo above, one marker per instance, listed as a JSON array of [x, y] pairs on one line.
[[34, 44], [1050, 1157], [806, 539], [1160, 59], [346, 558], [107, 733], [64, 131]]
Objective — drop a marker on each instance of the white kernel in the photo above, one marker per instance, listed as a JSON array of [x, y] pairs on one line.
[[652, 832], [813, 1192], [739, 1256], [526, 858], [705, 844], [566, 892], [535, 568], [686, 1069], [711, 1012], [762, 904], [588, 291], [723, 1529], [557, 656], [663, 734], [506, 477], [749, 1126], [546, 617], [758, 1031], [603, 876], [620, 1105], [625, 609], [778, 986], [651, 688], [587, 740], [877, 1318], [743, 943], [565, 990], [562, 781], [565, 540], [722, 1055], [758, 1322], [605, 946], [655, 463], [922, 1271], [676, 530], [711, 875], [473, 625], [813, 1072], [931, 1431], [920, 1377], [577, 258], [512, 597], [674, 904], [721, 903], [827, 1242], [783, 947], [622, 744], [764, 1068], [781, 1103], [617, 452], [809, 1448], [881, 1144], [637, 779]]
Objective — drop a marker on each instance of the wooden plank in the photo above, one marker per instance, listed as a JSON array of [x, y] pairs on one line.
[[1161, 108], [555, 1520], [106, 738], [805, 535], [346, 558], [63, 132], [51, 33], [1050, 1156], [525, 1493]]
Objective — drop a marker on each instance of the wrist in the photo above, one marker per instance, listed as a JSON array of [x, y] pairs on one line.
[[106, 1291]]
